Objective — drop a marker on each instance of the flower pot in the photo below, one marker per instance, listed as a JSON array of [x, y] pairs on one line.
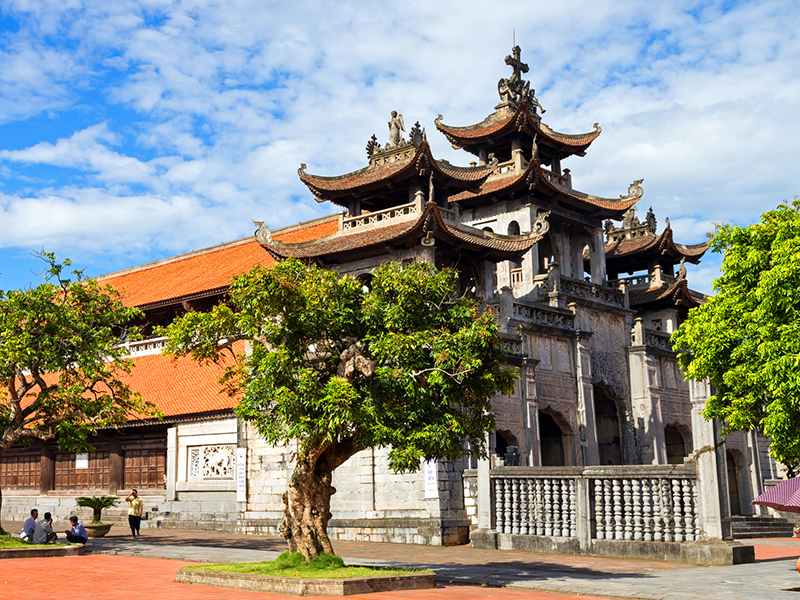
[[97, 530]]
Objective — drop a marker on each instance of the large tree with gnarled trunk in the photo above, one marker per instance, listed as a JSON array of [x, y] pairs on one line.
[[335, 367]]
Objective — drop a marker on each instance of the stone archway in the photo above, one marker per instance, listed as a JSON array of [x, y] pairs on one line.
[[609, 427], [733, 458], [555, 440], [675, 442]]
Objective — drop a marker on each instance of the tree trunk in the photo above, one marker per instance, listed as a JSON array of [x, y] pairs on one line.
[[307, 506]]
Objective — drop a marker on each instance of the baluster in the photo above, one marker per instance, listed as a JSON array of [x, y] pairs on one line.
[[599, 521], [666, 510], [554, 485], [548, 521], [636, 491], [565, 508], [507, 507], [658, 523], [688, 510], [616, 493], [628, 508], [677, 516], [499, 484], [515, 506], [573, 521], [647, 516], [608, 506], [539, 507], [697, 532], [524, 519]]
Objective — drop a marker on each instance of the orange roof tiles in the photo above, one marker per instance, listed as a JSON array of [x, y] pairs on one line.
[[206, 270], [180, 386]]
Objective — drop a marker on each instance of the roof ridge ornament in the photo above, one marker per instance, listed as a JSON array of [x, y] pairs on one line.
[[635, 190], [514, 90], [262, 234], [396, 125]]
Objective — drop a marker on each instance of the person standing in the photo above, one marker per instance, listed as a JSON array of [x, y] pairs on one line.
[[135, 512], [77, 532]]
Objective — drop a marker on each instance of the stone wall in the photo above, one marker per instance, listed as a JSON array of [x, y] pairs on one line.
[[470, 479]]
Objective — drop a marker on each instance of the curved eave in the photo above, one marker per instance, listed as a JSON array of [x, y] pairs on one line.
[[655, 246], [491, 186], [676, 293], [372, 177], [431, 222], [603, 207], [495, 126]]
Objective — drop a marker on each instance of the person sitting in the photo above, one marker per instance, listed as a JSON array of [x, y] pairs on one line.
[[29, 525], [43, 532], [77, 533]]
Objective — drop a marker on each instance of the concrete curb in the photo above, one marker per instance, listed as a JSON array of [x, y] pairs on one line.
[[41, 552], [307, 587]]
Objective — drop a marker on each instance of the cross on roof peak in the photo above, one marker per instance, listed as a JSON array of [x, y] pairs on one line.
[[514, 60]]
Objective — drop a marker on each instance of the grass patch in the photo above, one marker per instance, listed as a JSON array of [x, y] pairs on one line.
[[292, 564], [11, 541]]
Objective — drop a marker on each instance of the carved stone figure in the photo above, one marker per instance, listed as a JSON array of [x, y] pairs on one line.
[[396, 125], [635, 190], [650, 220]]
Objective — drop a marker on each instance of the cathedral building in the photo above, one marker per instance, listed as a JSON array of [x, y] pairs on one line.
[[586, 295]]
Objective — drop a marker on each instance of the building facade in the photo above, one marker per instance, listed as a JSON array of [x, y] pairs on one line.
[[585, 293]]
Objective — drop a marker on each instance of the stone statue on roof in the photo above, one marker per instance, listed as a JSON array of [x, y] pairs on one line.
[[650, 220], [514, 89], [396, 125]]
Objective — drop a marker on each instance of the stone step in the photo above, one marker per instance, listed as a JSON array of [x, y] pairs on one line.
[[743, 527], [745, 535]]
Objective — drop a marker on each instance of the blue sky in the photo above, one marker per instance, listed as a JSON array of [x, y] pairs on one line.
[[132, 131]]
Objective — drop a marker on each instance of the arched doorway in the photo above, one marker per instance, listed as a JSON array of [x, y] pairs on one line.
[[732, 460], [506, 447], [554, 447], [676, 445], [609, 432]]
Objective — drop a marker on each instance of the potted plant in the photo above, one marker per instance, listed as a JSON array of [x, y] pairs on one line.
[[97, 529]]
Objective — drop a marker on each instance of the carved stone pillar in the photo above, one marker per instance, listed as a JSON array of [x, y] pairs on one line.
[[531, 412], [646, 399], [712, 475], [756, 482], [172, 463], [516, 154], [589, 453], [598, 259]]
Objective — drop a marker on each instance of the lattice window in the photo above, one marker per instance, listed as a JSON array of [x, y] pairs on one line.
[[214, 462]]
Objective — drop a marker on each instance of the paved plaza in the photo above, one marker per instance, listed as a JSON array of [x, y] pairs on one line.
[[148, 565]]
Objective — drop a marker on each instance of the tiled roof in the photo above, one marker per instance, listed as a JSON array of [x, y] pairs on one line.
[[205, 270], [180, 386], [430, 219], [608, 207], [674, 292], [406, 161], [520, 119], [658, 244], [493, 185]]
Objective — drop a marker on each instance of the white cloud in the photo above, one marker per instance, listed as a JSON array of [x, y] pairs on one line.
[[701, 104]]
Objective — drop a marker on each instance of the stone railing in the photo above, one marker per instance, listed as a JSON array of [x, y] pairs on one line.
[[546, 317], [641, 281], [592, 291], [381, 217], [648, 503], [144, 347]]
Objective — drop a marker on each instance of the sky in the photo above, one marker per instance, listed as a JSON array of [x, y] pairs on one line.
[[134, 131]]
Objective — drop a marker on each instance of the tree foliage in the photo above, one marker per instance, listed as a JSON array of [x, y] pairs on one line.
[[335, 367], [61, 361], [746, 338]]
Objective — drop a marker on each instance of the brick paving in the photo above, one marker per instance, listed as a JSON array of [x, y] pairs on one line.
[[104, 577]]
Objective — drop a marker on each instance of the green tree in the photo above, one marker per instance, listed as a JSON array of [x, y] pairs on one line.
[[335, 368], [745, 339], [61, 361]]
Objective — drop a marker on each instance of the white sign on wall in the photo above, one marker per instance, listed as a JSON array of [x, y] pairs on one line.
[[430, 470], [241, 474], [82, 460]]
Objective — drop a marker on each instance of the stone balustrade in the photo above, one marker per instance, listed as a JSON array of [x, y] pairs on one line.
[[641, 281], [544, 316], [144, 347], [378, 218], [579, 289], [640, 503]]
